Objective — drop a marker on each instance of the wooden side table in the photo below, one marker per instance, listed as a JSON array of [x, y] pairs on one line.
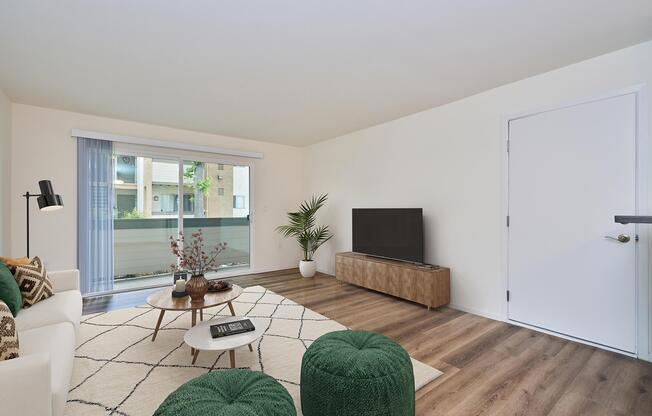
[[164, 301]]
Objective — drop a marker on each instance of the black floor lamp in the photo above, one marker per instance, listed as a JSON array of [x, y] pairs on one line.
[[47, 201]]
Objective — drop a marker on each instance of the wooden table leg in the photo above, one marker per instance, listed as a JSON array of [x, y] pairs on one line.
[[201, 315], [194, 356], [232, 357], [158, 324], [193, 313], [251, 348], [231, 308]]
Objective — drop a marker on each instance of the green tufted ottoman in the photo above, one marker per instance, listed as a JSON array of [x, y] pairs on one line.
[[234, 392], [356, 373]]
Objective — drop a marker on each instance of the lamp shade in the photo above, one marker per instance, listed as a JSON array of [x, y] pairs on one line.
[[48, 200]]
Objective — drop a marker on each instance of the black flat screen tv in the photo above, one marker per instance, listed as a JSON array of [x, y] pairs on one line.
[[393, 233]]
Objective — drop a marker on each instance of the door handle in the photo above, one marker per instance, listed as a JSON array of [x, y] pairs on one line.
[[622, 238]]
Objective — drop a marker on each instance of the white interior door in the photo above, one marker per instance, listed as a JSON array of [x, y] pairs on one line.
[[570, 171]]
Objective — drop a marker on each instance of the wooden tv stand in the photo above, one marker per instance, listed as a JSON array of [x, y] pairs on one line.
[[428, 286]]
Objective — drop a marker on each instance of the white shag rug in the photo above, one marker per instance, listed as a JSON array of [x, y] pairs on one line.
[[120, 371]]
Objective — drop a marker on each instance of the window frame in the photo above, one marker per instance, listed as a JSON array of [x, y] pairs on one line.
[[180, 156]]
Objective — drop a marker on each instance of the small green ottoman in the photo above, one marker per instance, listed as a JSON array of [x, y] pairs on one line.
[[235, 392], [356, 373]]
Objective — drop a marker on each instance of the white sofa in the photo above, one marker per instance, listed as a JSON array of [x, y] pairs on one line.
[[37, 382]]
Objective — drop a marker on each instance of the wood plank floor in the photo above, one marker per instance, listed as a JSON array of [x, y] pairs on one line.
[[490, 367]]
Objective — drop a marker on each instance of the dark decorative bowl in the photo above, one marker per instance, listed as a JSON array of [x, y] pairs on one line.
[[219, 286]]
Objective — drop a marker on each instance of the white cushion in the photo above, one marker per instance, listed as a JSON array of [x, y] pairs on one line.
[[64, 280], [58, 340], [62, 307]]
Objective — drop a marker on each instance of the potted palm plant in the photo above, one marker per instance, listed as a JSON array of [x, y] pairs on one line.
[[310, 236]]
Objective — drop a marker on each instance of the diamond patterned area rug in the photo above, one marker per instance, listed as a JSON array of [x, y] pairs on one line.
[[120, 371]]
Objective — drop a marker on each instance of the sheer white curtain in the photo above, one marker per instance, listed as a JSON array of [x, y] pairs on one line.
[[95, 214]]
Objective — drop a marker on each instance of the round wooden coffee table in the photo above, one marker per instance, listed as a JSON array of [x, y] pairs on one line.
[[164, 301], [199, 337]]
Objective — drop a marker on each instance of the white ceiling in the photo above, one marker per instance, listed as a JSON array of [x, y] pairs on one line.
[[292, 71]]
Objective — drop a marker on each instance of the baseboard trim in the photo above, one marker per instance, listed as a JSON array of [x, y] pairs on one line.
[[326, 272], [645, 357], [484, 314]]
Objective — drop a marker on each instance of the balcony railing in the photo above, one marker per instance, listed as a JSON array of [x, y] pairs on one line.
[[142, 245]]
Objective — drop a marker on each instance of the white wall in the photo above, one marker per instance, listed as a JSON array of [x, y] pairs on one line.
[[5, 170], [448, 161], [41, 142]]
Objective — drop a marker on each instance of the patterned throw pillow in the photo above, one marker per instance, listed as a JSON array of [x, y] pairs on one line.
[[8, 335], [12, 262], [9, 292], [33, 282]]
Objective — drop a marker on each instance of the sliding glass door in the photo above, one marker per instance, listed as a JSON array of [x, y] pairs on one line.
[[156, 198], [218, 196]]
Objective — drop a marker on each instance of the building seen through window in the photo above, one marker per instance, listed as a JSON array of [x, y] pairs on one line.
[[149, 188]]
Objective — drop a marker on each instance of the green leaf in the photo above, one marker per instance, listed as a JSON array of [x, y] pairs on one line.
[[302, 226]]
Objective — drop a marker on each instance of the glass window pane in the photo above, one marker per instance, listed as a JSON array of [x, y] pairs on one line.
[[150, 192], [214, 189], [125, 169], [145, 215]]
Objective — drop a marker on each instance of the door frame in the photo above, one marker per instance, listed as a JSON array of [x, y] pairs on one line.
[[644, 232]]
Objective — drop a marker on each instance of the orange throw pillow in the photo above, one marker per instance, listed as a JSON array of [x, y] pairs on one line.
[[18, 261]]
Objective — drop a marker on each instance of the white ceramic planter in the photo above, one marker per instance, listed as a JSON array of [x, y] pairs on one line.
[[308, 268]]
